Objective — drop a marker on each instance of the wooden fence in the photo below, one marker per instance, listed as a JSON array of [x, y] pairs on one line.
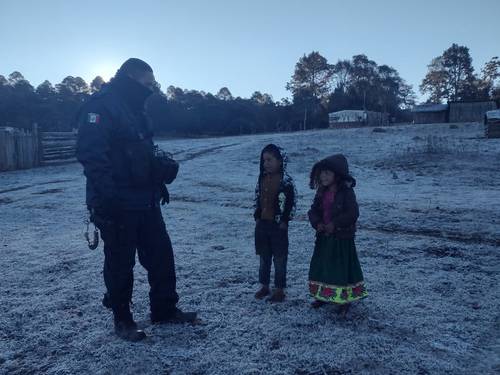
[[22, 149], [58, 147], [19, 148]]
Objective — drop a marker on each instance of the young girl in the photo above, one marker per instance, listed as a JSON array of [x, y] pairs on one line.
[[335, 274]]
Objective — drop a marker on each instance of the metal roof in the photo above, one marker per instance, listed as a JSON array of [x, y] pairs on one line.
[[493, 114], [430, 108]]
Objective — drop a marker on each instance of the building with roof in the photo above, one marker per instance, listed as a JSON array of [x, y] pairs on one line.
[[357, 118], [470, 111], [430, 113]]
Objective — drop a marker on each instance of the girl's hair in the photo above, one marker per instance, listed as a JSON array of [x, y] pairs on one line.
[[316, 170], [323, 165]]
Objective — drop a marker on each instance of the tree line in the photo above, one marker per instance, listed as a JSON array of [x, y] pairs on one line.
[[451, 77], [317, 88]]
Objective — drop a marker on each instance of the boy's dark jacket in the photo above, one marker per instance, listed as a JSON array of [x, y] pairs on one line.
[[287, 194], [345, 211]]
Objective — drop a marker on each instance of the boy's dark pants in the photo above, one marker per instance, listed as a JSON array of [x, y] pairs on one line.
[[145, 232], [271, 243]]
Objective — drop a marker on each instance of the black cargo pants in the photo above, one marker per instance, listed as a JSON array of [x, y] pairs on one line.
[[144, 231]]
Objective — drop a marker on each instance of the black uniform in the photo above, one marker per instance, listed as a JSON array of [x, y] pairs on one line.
[[116, 150]]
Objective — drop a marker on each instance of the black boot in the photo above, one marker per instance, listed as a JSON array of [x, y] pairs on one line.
[[173, 316], [106, 302], [125, 327], [316, 304]]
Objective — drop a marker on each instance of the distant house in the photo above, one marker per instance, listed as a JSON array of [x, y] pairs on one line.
[[355, 118], [472, 111], [430, 113]]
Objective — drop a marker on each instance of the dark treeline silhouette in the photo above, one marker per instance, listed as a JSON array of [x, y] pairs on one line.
[[190, 112], [51, 107], [451, 77], [174, 112], [317, 88], [320, 87]]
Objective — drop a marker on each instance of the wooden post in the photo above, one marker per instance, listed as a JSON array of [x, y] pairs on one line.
[[37, 142]]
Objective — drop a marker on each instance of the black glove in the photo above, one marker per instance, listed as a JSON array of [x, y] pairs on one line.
[[165, 195], [165, 168]]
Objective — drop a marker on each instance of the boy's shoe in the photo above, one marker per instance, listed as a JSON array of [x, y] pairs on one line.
[[174, 316], [316, 304], [277, 296], [262, 292]]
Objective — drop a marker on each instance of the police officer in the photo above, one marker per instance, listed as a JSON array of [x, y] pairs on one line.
[[116, 150]]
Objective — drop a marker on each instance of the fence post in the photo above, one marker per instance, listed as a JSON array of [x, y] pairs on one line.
[[37, 145]]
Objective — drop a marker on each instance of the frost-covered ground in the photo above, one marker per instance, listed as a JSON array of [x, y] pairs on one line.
[[428, 242]]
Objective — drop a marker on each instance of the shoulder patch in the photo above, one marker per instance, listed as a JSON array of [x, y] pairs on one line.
[[93, 118]]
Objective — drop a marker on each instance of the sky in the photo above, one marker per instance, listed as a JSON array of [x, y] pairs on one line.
[[246, 46]]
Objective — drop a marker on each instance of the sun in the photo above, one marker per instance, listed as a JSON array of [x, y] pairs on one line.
[[105, 70]]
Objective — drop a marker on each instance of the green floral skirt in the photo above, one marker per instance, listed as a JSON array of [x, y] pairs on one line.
[[335, 273]]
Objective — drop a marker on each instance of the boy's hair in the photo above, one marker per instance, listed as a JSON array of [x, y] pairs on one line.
[[273, 150], [277, 152]]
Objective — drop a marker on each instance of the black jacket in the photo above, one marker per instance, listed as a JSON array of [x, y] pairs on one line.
[[287, 193], [345, 210], [115, 147]]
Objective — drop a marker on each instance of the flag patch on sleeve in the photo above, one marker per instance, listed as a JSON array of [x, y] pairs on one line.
[[93, 118]]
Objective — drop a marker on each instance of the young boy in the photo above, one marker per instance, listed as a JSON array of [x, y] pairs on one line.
[[275, 200]]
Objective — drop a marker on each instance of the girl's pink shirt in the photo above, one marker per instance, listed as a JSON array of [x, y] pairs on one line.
[[328, 198]]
